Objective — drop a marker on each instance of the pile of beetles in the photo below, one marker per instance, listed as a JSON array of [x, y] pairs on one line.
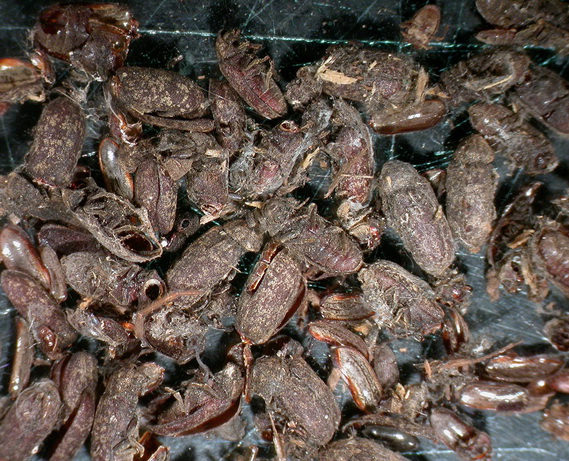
[[256, 211]]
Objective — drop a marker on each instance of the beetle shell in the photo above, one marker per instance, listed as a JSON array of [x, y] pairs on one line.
[[160, 92], [401, 300], [29, 421], [360, 377], [264, 309], [357, 449], [336, 335], [556, 420], [471, 187], [119, 404], [466, 441], [58, 140], [93, 38], [522, 144], [488, 395], [40, 310], [124, 230], [249, 76], [412, 210], [293, 389], [422, 27], [515, 369]]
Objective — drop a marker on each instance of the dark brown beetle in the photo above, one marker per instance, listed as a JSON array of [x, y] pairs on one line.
[[119, 404], [49, 325], [523, 145], [525, 22], [160, 97], [385, 366], [93, 38], [58, 140], [31, 418], [394, 439], [471, 186], [402, 301], [509, 263], [352, 152], [321, 246], [76, 377], [207, 184], [212, 258], [22, 81], [391, 86], [207, 403], [292, 390], [176, 324], [549, 253], [412, 210], [484, 76], [110, 280], [273, 292], [251, 77], [466, 441], [229, 115], [357, 449], [545, 95], [156, 191], [109, 331]]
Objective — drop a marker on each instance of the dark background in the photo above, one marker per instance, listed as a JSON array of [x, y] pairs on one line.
[[296, 33]]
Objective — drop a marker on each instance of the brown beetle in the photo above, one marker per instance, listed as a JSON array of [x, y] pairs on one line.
[[273, 292], [252, 78], [422, 27], [413, 211]]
